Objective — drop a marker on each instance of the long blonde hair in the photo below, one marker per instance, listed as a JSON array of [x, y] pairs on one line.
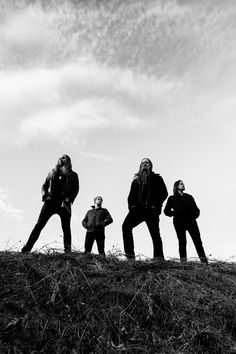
[[65, 169], [142, 177]]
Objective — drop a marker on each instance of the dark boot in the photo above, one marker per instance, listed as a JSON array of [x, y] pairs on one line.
[[67, 249], [26, 249]]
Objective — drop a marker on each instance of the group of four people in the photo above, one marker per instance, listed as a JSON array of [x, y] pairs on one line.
[[147, 195]]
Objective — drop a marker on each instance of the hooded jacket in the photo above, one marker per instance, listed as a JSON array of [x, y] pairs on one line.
[[70, 187], [96, 219], [182, 207], [156, 192]]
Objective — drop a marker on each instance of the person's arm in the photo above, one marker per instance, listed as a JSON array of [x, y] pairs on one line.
[[168, 210], [45, 187], [85, 221], [195, 209], [108, 219], [163, 190], [75, 189], [158, 193], [133, 194]]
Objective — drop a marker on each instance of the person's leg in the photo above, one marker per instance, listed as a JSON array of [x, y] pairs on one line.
[[133, 218], [180, 229], [89, 239], [152, 221], [194, 232], [65, 224], [100, 239], [46, 212]]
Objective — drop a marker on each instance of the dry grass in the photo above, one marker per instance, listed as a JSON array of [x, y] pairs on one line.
[[58, 303]]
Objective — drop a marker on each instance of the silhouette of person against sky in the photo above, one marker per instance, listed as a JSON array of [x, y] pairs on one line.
[[95, 221], [184, 210], [147, 194], [58, 193]]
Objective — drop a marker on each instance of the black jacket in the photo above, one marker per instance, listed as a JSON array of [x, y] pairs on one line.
[[97, 219], [156, 192], [69, 190], [182, 207]]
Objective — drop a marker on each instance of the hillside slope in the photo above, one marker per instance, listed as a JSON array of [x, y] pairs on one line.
[[73, 303]]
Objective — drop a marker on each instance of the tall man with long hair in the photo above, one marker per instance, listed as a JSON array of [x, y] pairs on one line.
[[147, 194], [58, 193]]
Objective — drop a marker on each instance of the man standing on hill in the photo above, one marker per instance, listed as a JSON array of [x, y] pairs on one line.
[[58, 193], [147, 194], [95, 221], [185, 211]]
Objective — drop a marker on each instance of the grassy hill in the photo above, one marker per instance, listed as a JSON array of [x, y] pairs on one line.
[[74, 303]]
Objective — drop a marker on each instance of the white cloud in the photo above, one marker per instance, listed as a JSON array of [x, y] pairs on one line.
[[44, 92], [75, 98], [86, 116], [99, 156], [149, 37], [7, 209], [24, 36], [22, 28]]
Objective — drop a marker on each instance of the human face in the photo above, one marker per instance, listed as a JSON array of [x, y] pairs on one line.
[[99, 201], [62, 160], [145, 164], [181, 186]]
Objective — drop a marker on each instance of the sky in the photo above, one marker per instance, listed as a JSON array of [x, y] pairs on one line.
[[109, 83]]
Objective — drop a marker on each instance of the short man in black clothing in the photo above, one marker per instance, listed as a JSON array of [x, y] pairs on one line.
[[184, 210], [147, 194], [58, 193], [95, 221]]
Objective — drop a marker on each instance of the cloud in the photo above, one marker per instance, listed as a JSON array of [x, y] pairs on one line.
[[72, 99], [24, 36], [87, 116], [6, 207], [99, 156], [71, 70], [157, 37]]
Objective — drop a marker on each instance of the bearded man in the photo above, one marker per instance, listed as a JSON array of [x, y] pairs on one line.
[[147, 194], [58, 193]]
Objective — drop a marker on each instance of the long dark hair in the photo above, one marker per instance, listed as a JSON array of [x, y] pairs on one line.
[[176, 184]]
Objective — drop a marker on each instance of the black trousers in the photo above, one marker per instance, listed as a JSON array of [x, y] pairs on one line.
[[136, 216], [181, 226], [91, 236], [49, 209]]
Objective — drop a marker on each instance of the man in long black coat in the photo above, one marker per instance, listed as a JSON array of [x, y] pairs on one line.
[[147, 194]]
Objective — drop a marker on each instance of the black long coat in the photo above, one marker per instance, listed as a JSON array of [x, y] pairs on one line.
[[156, 192]]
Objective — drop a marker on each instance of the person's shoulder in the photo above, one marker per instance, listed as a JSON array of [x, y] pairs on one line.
[[157, 176], [105, 210], [171, 197], [74, 173], [189, 196], [134, 181], [135, 178], [51, 173], [90, 211]]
